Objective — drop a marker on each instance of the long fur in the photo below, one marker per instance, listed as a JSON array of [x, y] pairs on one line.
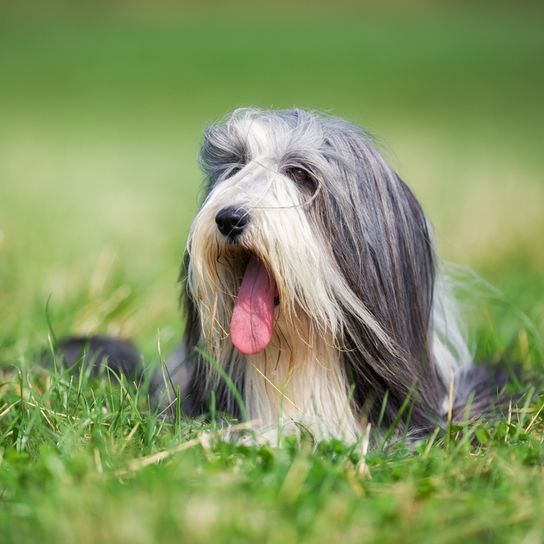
[[365, 323], [366, 329]]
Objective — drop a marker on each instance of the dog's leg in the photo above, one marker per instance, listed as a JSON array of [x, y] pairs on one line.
[[121, 356], [174, 380]]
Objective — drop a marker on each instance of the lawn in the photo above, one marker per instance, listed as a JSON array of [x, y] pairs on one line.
[[101, 116]]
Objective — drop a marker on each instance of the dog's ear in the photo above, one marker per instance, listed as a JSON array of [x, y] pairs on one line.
[[379, 238]]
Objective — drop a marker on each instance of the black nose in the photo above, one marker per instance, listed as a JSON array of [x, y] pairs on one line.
[[231, 221]]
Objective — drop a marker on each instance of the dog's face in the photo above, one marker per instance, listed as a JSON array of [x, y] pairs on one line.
[[258, 251], [305, 231]]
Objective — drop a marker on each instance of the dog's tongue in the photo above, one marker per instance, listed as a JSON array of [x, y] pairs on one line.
[[253, 315]]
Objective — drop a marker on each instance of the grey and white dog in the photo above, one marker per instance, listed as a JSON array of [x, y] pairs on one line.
[[312, 291]]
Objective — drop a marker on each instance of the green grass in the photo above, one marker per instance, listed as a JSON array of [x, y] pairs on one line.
[[101, 116], [79, 464]]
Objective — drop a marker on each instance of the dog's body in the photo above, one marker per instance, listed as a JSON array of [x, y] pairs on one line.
[[311, 287]]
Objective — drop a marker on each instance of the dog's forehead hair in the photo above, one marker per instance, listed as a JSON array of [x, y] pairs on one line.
[[269, 137], [273, 135], [282, 135], [336, 153]]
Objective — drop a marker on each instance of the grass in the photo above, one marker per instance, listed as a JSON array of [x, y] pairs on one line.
[[101, 121], [81, 462]]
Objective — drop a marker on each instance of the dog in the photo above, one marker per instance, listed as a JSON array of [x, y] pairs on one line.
[[312, 291]]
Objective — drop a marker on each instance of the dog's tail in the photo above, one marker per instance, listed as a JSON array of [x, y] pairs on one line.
[[482, 391]]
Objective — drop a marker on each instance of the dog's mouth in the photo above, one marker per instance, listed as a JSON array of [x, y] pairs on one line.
[[252, 322]]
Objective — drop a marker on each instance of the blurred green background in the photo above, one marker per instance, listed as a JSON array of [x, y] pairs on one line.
[[101, 112]]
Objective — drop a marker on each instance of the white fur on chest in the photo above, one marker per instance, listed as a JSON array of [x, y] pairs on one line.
[[286, 387]]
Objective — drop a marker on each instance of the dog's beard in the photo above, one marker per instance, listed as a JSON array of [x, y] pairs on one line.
[[312, 294], [278, 252], [297, 376], [243, 298], [298, 373]]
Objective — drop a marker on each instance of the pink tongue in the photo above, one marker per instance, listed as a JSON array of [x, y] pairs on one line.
[[253, 315]]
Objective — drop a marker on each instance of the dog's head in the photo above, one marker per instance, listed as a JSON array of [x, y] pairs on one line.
[[305, 228]]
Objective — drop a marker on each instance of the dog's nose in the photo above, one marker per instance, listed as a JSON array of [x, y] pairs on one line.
[[231, 221]]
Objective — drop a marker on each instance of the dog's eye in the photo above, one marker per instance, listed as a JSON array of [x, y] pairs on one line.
[[232, 171], [299, 175]]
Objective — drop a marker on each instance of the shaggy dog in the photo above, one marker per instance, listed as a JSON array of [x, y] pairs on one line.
[[312, 292]]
